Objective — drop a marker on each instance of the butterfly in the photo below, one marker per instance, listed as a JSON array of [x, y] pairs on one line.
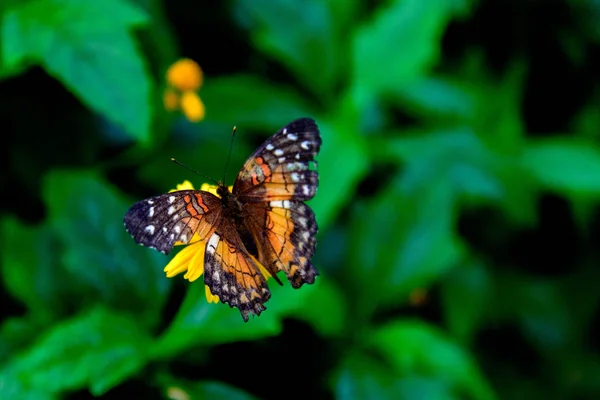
[[263, 220]]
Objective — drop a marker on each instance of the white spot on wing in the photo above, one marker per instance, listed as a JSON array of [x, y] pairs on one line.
[[150, 202], [280, 203], [177, 229], [297, 156], [281, 159], [270, 147], [183, 238], [295, 177], [212, 243], [150, 229], [171, 210], [171, 199], [278, 152], [291, 136], [305, 145], [151, 212], [165, 229], [216, 277], [306, 190]]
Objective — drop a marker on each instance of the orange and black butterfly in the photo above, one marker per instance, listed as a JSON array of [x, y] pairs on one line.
[[262, 220]]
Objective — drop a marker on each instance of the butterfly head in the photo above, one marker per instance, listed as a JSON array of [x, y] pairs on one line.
[[223, 190]]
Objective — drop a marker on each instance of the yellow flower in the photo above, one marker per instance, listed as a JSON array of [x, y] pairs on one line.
[[184, 78], [185, 75], [191, 258], [192, 106]]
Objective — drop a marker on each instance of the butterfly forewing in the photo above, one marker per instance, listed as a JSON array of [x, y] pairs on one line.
[[161, 221], [281, 167]]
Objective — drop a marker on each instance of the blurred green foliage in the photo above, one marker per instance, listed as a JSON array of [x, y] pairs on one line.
[[457, 206]]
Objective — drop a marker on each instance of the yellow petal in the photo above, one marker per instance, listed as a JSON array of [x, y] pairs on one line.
[[186, 185], [180, 262], [262, 269], [211, 298], [208, 187], [185, 74], [196, 265], [192, 106]]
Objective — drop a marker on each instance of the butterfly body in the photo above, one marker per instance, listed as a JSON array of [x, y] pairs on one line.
[[262, 222]]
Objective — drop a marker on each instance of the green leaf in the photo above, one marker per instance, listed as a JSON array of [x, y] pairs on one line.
[[413, 346], [542, 307], [400, 43], [406, 250], [96, 349], [437, 97], [498, 115], [248, 102], [360, 376], [456, 156], [16, 333], [564, 165], [87, 216], [300, 38], [466, 292], [29, 267], [12, 388], [90, 48], [199, 323], [343, 161]]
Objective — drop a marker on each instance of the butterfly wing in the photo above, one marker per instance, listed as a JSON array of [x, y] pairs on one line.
[[161, 221], [272, 185], [280, 167], [284, 231], [232, 273]]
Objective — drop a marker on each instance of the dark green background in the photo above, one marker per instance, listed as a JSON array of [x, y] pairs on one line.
[[460, 158]]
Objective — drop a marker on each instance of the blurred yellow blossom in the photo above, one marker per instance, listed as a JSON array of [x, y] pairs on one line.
[[192, 106], [184, 78], [185, 75]]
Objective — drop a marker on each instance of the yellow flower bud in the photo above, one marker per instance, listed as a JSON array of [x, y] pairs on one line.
[[185, 75], [192, 106]]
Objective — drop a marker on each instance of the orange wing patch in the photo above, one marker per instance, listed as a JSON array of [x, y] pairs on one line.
[[255, 172], [234, 275], [162, 221], [289, 228]]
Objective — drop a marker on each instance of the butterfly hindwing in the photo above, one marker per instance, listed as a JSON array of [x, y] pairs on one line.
[[281, 167], [233, 274], [161, 221], [287, 240]]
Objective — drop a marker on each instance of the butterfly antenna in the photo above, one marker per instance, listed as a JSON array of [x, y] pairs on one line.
[[229, 154], [195, 172]]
